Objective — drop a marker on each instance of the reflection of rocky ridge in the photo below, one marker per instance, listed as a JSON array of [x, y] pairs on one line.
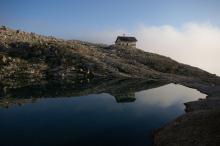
[[8, 102], [123, 90]]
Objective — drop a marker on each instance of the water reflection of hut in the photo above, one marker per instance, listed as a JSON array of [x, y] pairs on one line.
[[126, 97]]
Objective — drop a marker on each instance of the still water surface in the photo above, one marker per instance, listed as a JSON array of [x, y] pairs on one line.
[[96, 119]]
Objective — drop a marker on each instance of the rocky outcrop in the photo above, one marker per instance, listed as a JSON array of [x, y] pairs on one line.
[[203, 104], [26, 55], [198, 128]]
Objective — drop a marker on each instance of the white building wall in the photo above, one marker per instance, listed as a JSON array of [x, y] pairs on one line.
[[121, 43]]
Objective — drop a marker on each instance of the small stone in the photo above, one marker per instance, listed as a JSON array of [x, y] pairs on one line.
[[4, 59], [32, 71]]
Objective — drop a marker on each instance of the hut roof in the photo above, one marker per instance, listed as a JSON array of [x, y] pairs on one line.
[[126, 39]]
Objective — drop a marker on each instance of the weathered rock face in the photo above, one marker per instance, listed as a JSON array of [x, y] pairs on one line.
[[199, 128], [30, 56]]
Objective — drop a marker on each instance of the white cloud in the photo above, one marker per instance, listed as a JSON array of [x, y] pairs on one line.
[[194, 44]]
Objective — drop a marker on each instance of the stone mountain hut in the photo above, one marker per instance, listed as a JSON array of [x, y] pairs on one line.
[[126, 41]]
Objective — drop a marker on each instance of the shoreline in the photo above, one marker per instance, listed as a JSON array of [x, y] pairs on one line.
[[199, 126]]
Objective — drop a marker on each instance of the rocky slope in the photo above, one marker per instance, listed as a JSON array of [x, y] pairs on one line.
[[25, 56], [198, 128]]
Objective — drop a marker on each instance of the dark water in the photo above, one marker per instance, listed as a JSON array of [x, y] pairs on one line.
[[96, 119]]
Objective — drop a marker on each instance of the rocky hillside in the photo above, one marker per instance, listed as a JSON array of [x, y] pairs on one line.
[[27, 57]]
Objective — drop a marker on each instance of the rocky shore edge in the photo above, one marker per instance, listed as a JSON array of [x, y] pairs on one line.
[[199, 126]]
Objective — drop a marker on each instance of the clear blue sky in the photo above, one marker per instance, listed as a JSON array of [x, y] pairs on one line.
[[65, 17]]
